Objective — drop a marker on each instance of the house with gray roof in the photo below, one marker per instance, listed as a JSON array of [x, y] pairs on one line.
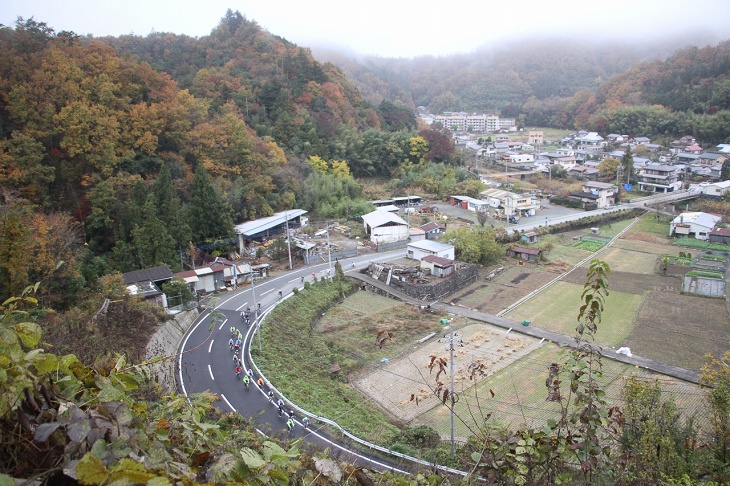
[[708, 159], [147, 282], [694, 224]]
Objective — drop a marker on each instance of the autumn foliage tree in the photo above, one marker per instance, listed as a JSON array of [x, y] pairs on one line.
[[37, 247]]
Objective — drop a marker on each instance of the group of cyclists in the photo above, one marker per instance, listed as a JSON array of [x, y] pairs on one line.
[[246, 315], [236, 345]]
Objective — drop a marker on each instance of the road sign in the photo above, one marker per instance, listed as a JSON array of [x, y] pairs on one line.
[[627, 187]]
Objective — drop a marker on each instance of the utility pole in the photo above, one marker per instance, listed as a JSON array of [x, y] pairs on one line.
[[256, 308], [329, 251], [288, 238], [453, 338]]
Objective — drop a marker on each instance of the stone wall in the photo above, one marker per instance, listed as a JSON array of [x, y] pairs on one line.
[[465, 274], [164, 343]]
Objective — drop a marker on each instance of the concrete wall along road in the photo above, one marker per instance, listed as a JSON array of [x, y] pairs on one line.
[[164, 343]]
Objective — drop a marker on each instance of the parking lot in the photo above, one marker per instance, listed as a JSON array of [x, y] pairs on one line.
[[455, 213]]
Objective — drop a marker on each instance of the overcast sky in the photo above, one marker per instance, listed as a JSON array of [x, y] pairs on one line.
[[389, 28]]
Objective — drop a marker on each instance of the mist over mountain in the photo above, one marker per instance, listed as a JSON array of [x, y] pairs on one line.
[[508, 73]]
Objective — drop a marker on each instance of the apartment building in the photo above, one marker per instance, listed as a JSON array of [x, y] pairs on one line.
[[536, 138], [474, 123]]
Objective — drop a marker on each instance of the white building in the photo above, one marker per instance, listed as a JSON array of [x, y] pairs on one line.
[[718, 189], [694, 224], [511, 204], [470, 203], [516, 158], [591, 142], [462, 122], [419, 249], [385, 227], [658, 178]]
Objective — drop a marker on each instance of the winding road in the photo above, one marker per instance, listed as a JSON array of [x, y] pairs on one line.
[[205, 360]]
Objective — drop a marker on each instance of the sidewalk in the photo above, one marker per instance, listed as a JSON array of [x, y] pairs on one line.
[[536, 332]]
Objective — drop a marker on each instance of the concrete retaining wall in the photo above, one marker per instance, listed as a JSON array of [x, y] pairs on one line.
[[394, 245], [164, 343]]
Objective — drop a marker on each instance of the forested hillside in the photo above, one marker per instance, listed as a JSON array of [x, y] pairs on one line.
[[136, 147], [688, 93]]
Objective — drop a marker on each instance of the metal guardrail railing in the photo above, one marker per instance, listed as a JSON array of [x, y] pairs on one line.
[[334, 424]]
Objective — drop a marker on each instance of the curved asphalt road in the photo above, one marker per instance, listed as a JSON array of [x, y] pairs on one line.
[[205, 361]]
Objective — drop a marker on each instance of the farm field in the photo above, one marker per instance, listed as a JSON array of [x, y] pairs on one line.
[[568, 254], [520, 395], [499, 293], [393, 384], [556, 309], [352, 327], [653, 248], [680, 329], [622, 260]]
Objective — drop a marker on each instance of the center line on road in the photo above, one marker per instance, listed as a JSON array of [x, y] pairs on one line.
[[239, 308], [270, 290], [295, 280], [223, 324], [211, 345], [211, 373]]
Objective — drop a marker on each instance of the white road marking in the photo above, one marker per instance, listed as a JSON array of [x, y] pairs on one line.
[[182, 350], [295, 280], [223, 324], [211, 373], [239, 308], [211, 345], [264, 293], [229, 403]]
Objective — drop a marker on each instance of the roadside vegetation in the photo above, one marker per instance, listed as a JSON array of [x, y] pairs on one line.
[[298, 361]]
